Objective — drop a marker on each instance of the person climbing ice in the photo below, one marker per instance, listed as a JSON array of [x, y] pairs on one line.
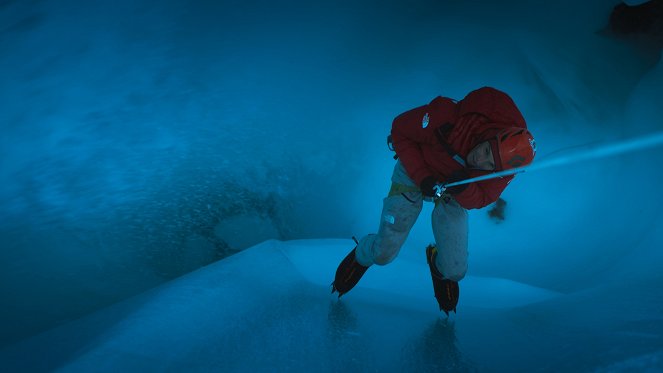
[[438, 144]]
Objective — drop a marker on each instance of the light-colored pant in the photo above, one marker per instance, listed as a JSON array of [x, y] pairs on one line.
[[400, 212]]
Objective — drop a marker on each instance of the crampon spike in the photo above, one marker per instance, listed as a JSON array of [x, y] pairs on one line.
[[348, 274]]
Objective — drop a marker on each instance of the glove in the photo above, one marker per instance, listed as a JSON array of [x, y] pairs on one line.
[[457, 176], [431, 188]]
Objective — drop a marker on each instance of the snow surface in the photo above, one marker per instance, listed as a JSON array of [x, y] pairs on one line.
[[144, 140], [269, 308]]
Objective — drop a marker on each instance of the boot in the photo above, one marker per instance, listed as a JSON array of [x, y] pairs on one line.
[[348, 274], [446, 291]]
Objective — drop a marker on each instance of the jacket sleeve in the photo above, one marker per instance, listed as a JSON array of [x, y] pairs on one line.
[[409, 131], [482, 193]]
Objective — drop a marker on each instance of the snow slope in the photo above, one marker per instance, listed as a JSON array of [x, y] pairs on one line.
[[269, 308]]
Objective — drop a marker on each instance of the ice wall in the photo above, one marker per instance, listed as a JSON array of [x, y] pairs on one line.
[[142, 140]]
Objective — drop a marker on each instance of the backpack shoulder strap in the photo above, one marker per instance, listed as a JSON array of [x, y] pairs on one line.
[[442, 133]]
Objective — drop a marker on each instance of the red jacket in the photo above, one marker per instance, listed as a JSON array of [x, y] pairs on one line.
[[476, 118]]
